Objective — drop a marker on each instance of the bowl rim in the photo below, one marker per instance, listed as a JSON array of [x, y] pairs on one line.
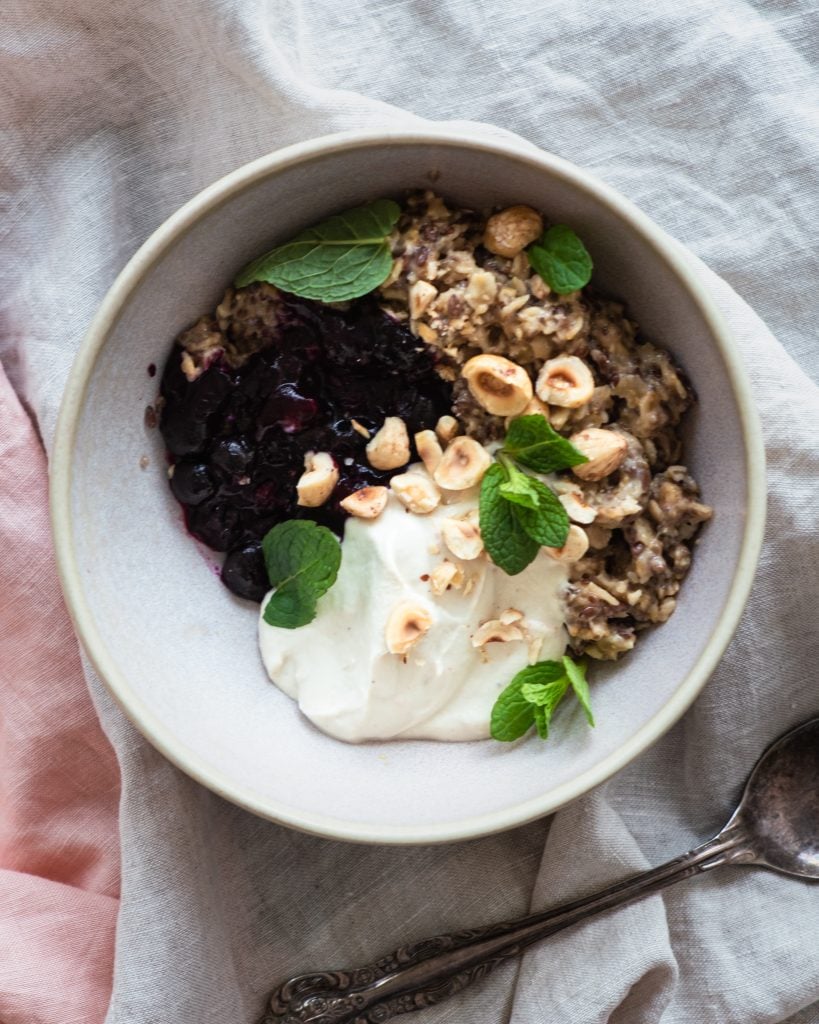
[[162, 738]]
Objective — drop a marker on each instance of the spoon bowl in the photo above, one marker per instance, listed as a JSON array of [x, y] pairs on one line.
[[779, 811]]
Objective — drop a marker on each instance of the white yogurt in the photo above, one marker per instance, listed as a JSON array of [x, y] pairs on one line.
[[338, 667]]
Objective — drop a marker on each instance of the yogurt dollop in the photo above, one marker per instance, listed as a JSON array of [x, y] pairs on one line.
[[338, 667]]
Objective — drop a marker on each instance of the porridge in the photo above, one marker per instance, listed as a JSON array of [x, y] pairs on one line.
[[497, 445]]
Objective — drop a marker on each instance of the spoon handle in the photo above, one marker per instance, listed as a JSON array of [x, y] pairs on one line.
[[429, 971]]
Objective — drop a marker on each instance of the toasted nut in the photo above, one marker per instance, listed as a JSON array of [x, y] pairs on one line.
[[574, 547], [533, 648], [426, 333], [446, 428], [499, 385], [495, 631], [463, 465], [558, 417], [416, 491], [565, 381], [394, 274], [444, 576], [390, 448], [538, 287], [510, 615], [534, 407], [541, 347], [613, 515], [577, 508], [463, 537], [514, 305], [407, 623], [429, 449], [481, 290], [316, 484], [366, 503], [599, 536], [666, 609], [420, 296], [359, 428], [593, 590], [604, 449], [510, 231], [190, 369]]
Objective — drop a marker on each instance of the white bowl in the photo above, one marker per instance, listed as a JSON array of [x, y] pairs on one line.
[[178, 651]]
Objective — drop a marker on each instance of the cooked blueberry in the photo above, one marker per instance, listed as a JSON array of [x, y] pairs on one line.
[[259, 376], [207, 393], [174, 383], [187, 414], [215, 524], [191, 483], [243, 432], [269, 495], [289, 409], [232, 455], [182, 435], [244, 572]]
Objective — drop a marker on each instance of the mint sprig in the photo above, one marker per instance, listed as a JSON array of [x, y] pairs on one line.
[[518, 513], [518, 487], [533, 696], [548, 523], [302, 561], [340, 258], [561, 259], [509, 546]]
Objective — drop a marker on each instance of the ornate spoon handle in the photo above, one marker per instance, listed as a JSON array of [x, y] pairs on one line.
[[429, 971]]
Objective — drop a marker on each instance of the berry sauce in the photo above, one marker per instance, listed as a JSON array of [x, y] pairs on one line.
[[237, 437]]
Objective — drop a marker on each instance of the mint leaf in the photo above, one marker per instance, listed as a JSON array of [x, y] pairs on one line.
[[518, 514], [544, 685], [509, 546], [340, 258], [576, 672], [561, 259], [518, 488], [545, 697], [533, 443], [302, 560], [512, 714], [548, 524], [541, 722], [541, 674]]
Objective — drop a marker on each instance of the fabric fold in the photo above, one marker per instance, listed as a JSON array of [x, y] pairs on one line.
[[59, 784]]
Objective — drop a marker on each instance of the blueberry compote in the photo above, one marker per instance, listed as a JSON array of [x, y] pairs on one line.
[[237, 437]]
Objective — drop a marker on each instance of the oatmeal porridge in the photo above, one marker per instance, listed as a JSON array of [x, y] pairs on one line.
[[498, 446]]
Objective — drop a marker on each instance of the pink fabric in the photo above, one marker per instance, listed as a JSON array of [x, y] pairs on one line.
[[59, 782]]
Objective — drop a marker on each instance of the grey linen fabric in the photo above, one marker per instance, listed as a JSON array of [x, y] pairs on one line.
[[704, 114]]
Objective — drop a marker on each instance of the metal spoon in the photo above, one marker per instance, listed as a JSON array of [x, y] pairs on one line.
[[776, 826]]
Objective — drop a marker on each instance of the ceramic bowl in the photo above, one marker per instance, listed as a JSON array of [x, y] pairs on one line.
[[178, 651]]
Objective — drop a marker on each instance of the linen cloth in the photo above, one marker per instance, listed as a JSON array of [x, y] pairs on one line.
[[706, 116], [59, 782]]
